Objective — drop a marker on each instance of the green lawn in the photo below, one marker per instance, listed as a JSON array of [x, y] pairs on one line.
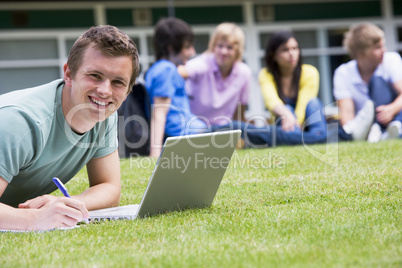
[[279, 207]]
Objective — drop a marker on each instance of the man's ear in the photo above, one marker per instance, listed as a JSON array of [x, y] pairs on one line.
[[67, 75]]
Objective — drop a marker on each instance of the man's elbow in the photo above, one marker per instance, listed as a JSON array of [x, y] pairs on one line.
[[116, 196]]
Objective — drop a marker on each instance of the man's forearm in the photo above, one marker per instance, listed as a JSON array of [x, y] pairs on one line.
[[16, 219], [43, 213], [99, 196]]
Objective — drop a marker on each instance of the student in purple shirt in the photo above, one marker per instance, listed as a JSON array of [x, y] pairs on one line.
[[218, 82]]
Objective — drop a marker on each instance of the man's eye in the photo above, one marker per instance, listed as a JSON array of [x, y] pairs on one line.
[[119, 83], [97, 76]]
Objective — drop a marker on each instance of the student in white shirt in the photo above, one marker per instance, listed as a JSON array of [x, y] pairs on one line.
[[369, 87]]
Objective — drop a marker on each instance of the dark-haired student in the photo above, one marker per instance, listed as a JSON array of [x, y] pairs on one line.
[[290, 90], [171, 116]]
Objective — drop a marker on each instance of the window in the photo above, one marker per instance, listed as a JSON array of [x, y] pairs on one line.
[[18, 78], [201, 43], [28, 49]]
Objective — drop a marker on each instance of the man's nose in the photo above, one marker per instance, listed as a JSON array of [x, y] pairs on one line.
[[104, 88], [224, 50]]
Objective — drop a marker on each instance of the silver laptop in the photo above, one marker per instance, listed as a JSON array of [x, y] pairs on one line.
[[187, 175]]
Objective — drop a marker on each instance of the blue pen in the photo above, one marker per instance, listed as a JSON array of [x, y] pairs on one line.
[[61, 187]]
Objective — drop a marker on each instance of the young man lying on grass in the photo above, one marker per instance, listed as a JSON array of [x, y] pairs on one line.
[[54, 130]]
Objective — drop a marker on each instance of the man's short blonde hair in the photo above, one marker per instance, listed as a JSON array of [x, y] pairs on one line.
[[362, 36], [229, 32]]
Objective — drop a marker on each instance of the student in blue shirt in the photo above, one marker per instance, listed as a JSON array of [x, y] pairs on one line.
[[171, 115]]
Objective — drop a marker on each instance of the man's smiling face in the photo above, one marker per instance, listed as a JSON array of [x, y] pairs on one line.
[[98, 88]]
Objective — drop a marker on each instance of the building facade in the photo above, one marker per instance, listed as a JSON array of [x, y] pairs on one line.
[[35, 37]]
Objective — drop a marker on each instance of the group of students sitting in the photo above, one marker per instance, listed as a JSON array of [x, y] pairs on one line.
[[210, 92]]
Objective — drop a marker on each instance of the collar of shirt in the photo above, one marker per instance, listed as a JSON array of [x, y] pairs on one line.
[[215, 69], [355, 76]]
